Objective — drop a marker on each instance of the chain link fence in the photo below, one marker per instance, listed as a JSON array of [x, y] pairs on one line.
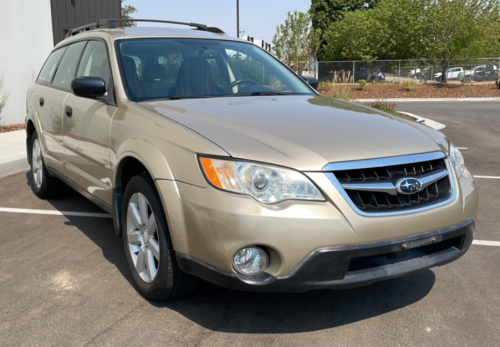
[[421, 70]]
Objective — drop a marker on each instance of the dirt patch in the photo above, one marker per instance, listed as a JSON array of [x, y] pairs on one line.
[[14, 127], [63, 280], [431, 90]]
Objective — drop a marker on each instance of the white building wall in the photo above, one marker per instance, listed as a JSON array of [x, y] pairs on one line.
[[25, 42]]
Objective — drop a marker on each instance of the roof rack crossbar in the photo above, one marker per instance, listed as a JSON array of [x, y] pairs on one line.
[[111, 23]]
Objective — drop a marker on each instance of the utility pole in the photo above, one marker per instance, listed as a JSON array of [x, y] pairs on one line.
[[237, 18]]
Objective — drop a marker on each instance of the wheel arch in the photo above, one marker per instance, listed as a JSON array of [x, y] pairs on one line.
[[30, 129], [138, 154], [135, 157]]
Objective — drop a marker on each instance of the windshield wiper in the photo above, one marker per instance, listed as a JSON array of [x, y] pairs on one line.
[[177, 97], [266, 93]]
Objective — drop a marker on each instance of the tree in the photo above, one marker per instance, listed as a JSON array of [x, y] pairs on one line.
[[414, 29], [392, 30], [127, 11], [296, 42], [325, 12], [460, 29]]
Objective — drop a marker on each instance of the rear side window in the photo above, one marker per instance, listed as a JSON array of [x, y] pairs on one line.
[[95, 62], [49, 68], [67, 68]]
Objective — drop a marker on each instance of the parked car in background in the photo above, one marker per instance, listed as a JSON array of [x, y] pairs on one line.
[[312, 81], [378, 76], [469, 74], [485, 75], [453, 73], [218, 162], [361, 74], [414, 73]]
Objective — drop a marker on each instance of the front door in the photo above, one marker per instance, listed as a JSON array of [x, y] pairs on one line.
[[87, 124]]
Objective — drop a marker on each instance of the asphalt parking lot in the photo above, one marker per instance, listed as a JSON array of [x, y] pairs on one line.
[[64, 280]]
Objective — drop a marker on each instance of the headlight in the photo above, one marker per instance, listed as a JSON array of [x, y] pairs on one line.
[[267, 184], [457, 159]]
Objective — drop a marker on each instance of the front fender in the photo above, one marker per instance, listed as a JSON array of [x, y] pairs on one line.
[[146, 153]]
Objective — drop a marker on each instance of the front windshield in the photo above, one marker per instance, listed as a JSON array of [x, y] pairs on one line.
[[173, 68]]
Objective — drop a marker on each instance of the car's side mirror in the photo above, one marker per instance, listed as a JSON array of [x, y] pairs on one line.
[[88, 87], [313, 82]]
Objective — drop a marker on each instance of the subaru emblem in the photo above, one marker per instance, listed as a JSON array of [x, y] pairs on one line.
[[408, 186]]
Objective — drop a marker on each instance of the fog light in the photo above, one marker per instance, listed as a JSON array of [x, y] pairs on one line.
[[250, 261]]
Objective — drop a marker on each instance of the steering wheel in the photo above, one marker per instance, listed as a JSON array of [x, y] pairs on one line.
[[240, 81]]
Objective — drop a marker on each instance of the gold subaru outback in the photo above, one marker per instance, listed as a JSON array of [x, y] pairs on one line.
[[217, 162]]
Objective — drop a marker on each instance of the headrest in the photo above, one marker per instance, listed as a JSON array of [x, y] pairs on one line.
[[153, 72]]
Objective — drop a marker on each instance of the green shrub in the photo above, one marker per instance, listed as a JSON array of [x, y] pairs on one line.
[[409, 85], [338, 87], [362, 84], [385, 106], [342, 92], [324, 86]]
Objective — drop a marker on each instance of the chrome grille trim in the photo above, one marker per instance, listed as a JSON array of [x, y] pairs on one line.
[[380, 162], [389, 187]]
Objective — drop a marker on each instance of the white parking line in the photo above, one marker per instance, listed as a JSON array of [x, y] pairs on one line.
[[57, 213], [461, 148], [492, 177], [486, 243]]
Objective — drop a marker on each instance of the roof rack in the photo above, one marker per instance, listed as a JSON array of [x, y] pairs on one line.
[[111, 23]]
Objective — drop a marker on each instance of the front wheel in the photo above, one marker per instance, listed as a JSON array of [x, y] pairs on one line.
[[149, 249]]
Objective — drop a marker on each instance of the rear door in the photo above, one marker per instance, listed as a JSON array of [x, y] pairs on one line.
[[47, 103], [87, 125]]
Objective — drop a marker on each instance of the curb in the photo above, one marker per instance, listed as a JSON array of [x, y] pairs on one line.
[[13, 167], [429, 99], [429, 122], [13, 154]]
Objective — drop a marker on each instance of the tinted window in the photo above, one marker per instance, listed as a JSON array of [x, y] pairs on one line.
[[251, 68], [202, 68], [216, 73], [172, 63], [49, 68], [95, 62], [67, 68]]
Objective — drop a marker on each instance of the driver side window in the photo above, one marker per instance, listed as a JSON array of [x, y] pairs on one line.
[[95, 62], [67, 67]]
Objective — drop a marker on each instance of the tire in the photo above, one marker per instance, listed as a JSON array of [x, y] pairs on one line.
[[43, 185], [148, 245]]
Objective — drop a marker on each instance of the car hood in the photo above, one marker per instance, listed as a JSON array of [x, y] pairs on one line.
[[302, 132]]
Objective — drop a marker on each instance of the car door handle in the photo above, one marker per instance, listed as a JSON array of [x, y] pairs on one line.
[[69, 111], [42, 101]]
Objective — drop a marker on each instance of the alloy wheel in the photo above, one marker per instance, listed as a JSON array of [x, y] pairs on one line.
[[37, 164], [142, 237]]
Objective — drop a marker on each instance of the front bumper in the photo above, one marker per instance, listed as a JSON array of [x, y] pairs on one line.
[[349, 266]]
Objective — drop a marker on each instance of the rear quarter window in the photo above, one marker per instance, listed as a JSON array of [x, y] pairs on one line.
[[50, 66]]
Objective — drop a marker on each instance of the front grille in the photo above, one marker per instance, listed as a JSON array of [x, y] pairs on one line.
[[388, 172], [373, 189]]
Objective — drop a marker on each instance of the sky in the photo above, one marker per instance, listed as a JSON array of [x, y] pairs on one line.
[[258, 18]]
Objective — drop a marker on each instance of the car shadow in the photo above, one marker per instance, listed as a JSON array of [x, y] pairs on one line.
[[223, 310], [98, 230]]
